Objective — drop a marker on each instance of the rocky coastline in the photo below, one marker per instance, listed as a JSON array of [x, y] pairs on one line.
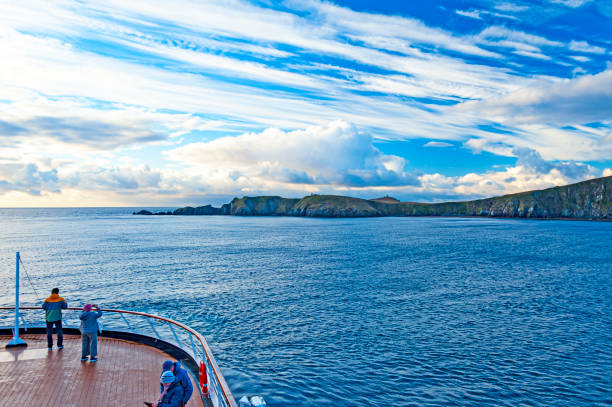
[[590, 199]]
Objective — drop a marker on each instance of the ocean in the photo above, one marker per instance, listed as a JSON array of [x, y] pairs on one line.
[[351, 312]]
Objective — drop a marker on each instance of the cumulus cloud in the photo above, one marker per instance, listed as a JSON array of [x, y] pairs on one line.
[[27, 178], [317, 159], [125, 178], [532, 160], [336, 154], [530, 172]]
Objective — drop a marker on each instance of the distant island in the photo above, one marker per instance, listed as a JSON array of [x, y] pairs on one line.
[[584, 200]]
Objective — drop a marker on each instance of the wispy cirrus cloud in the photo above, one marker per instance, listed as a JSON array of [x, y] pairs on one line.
[[583, 46], [585, 99], [92, 81], [437, 144], [571, 3], [507, 6]]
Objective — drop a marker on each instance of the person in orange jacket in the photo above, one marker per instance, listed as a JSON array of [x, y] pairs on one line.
[[53, 307]]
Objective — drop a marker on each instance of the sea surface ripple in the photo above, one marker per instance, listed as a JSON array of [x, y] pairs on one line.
[[351, 312]]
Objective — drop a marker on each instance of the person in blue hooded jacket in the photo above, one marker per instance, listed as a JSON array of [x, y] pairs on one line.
[[171, 393], [89, 332], [181, 377]]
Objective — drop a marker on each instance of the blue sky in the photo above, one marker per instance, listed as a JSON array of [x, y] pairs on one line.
[[143, 103]]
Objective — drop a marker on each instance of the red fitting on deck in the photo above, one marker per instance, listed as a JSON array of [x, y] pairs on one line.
[[203, 380]]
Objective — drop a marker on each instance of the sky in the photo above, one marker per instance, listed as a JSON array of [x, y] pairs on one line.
[[156, 103]]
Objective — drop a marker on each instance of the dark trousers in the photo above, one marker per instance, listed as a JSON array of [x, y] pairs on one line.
[[60, 333]]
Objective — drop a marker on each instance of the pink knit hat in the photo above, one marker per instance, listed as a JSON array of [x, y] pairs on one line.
[[87, 307]]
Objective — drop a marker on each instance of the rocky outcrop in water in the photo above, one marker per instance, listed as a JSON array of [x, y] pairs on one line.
[[590, 199]]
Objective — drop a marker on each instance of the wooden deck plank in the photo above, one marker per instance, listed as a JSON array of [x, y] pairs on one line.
[[126, 374]]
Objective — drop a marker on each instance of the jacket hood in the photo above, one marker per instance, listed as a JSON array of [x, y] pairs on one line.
[[54, 298]]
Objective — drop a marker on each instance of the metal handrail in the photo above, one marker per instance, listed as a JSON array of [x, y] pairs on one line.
[[227, 394]]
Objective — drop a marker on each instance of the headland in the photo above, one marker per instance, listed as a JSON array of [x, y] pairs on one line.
[[591, 199]]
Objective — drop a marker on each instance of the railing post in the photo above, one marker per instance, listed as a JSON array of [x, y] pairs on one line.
[[203, 379], [127, 322], [178, 342], [16, 341]]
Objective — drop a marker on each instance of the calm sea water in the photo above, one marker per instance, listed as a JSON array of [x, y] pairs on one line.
[[357, 312]]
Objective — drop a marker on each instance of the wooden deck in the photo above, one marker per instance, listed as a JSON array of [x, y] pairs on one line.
[[126, 374]]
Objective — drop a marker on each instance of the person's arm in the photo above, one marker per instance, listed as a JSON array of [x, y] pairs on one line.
[[187, 386], [44, 306], [64, 305], [176, 400], [99, 314]]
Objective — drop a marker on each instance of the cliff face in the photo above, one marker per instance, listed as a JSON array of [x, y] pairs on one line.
[[334, 206], [261, 206], [589, 199]]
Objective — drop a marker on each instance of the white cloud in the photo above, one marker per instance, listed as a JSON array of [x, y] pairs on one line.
[[523, 43], [532, 160], [571, 3], [477, 14], [585, 99], [607, 172], [323, 159], [378, 25], [471, 14], [537, 55], [153, 85], [437, 144], [76, 125], [68, 71], [336, 154], [530, 173], [580, 58], [583, 46], [26, 177], [125, 178], [497, 32], [510, 7]]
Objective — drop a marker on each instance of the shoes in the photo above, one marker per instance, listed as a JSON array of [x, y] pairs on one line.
[[83, 359], [93, 359], [49, 349], [60, 347]]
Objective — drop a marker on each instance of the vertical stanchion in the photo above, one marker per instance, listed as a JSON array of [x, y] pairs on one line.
[[16, 341]]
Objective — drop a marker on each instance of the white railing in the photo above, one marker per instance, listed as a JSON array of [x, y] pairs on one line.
[[212, 384]]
